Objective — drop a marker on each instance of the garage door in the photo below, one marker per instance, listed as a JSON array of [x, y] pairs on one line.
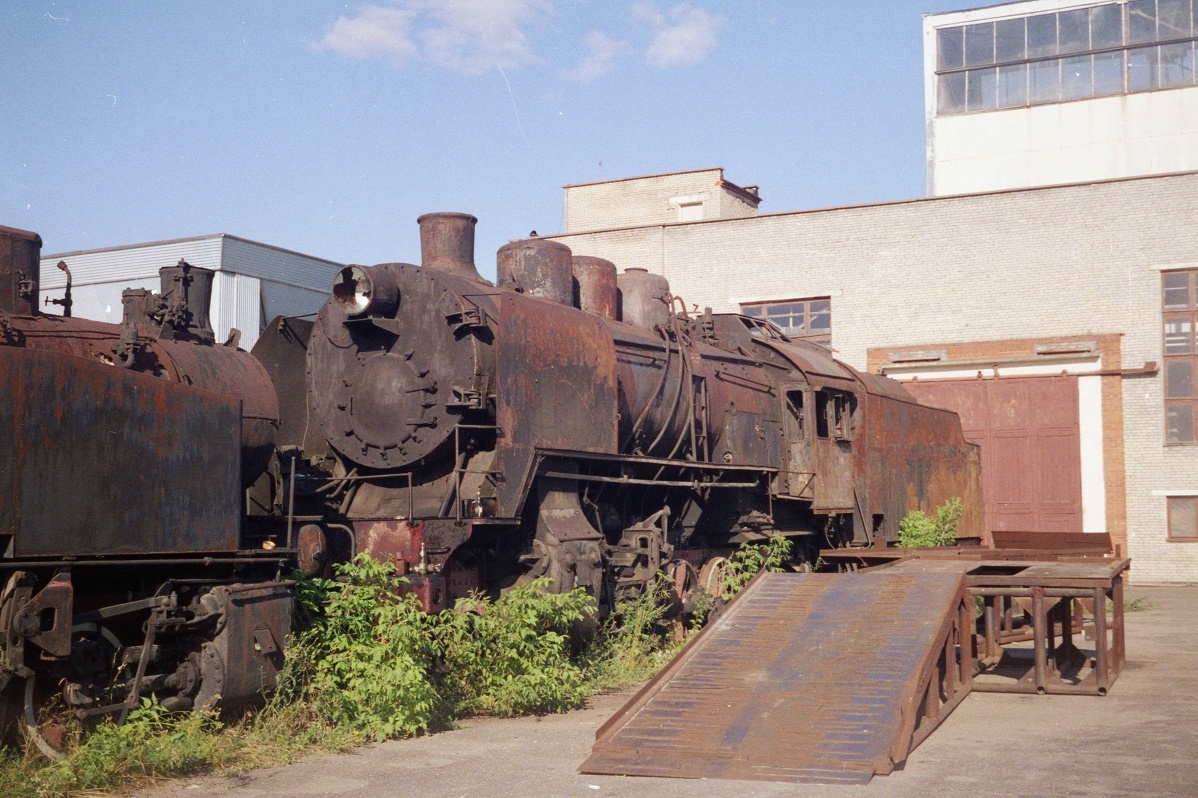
[[1031, 447]]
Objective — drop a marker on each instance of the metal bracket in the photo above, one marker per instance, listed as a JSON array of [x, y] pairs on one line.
[[45, 620], [25, 285], [468, 318], [466, 398]]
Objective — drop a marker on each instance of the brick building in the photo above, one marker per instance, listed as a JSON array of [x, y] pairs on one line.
[[1061, 292], [1056, 316]]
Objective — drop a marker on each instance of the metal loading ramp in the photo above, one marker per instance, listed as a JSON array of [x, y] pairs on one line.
[[826, 678]]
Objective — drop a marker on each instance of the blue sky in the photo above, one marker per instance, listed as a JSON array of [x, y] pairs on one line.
[[329, 127]]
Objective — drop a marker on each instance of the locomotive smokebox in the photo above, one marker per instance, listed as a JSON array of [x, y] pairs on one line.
[[195, 285], [644, 299], [447, 244], [20, 271], [595, 288], [537, 267]]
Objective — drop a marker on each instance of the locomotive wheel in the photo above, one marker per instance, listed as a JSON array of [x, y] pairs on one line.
[[30, 726], [685, 580], [712, 575]]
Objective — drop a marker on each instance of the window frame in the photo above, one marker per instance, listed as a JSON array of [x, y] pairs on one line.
[[1169, 510], [962, 87], [823, 338], [1187, 314]]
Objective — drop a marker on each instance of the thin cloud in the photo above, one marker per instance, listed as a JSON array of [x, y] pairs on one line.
[[601, 55], [376, 32], [467, 36], [685, 38]]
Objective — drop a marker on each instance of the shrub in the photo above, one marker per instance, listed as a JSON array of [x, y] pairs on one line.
[[372, 661], [366, 657], [917, 530], [752, 558], [510, 656]]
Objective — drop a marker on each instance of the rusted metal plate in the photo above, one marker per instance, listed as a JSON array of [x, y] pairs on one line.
[[805, 678], [99, 460], [556, 375], [914, 457]]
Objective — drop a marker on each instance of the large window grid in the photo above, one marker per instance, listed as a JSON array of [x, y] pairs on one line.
[[1179, 304], [798, 318], [1110, 49]]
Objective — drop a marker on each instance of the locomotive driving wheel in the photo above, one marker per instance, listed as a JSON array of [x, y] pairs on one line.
[[684, 581], [30, 727], [712, 576]]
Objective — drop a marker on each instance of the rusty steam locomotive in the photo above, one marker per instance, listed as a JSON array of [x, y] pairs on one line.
[[583, 426], [156, 486], [127, 566]]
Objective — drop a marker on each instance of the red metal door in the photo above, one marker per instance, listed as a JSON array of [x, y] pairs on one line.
[[1031, 447]]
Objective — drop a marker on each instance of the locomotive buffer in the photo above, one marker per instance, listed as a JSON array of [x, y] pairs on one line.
[[804, 678]]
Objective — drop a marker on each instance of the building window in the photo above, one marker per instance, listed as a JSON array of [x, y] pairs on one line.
[[1114, 48], [1183, 517], [798, 318], [1179, 312]]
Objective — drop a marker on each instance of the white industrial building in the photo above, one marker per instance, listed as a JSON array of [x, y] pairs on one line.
[[254, 282], [1057, 91], [1046, 290]]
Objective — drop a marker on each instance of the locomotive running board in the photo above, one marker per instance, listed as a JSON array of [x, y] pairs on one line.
[[825, 678]]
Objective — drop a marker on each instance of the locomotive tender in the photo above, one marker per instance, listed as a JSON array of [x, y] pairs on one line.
[[156, 486]]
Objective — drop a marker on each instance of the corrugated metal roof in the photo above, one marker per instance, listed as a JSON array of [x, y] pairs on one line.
[[120, 264], [222, 252], [277, 265]]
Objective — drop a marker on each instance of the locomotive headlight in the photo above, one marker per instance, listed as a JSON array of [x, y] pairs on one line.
[[361, 290]]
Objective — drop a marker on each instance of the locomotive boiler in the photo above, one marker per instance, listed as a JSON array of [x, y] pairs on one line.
[[127, 566], [578, 425]]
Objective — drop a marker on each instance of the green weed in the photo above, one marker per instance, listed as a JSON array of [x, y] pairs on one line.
[[511, 656], [633, 643], [155, 744], [917, 530], [1132, 605], [752, 558]]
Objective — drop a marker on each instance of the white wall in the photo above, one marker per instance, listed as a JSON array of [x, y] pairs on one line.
[[1123, 136]]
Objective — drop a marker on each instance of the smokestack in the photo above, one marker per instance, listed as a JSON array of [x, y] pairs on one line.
[[447, 244], [20, 271]]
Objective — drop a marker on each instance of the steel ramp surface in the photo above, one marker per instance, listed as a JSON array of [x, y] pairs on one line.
[[803, 678]]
